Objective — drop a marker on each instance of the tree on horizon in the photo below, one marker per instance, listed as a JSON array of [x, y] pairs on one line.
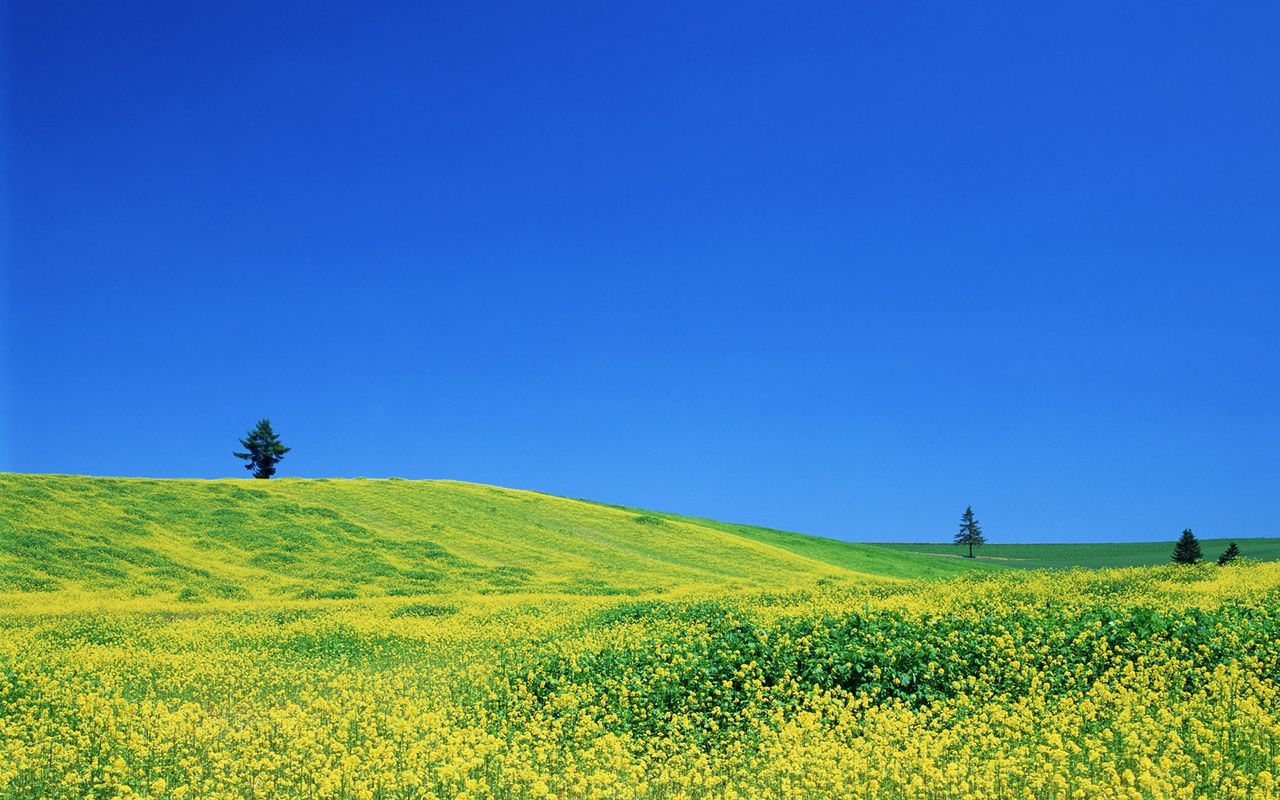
[[263, 450], [1231, 554], [1187, 550], [970, 532]]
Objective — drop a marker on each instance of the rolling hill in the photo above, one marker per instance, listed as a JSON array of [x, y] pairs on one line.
[[344, 538]]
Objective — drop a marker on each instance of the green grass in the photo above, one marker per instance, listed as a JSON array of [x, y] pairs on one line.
[[340, 539], [1107, 554], [857, 556], [195, 541]]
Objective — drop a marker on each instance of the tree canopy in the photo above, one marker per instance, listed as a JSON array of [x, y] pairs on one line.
[[1187, 550], [262, 449], [1230, 554], [970, 532]]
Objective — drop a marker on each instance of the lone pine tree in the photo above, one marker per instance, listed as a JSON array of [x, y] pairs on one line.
[[970, 532], [263, 450], [1187, 550]]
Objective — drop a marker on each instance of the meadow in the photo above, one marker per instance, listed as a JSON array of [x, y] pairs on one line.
[[439, 640], [1099, 554]]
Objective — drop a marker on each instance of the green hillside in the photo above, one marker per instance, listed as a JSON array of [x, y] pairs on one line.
[[296, 538], [856, 556], [1101, 554]]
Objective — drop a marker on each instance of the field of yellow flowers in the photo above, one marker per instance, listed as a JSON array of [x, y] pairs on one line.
[[1155, 682]]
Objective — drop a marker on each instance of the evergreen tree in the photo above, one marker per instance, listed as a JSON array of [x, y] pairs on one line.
[[970, 532], [1187, 550], [264, 450], [1230, 555]]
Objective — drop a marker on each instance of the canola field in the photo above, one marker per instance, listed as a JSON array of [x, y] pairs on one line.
[[1150, 682]]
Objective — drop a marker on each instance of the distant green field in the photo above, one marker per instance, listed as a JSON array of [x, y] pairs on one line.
[[1110, 554]]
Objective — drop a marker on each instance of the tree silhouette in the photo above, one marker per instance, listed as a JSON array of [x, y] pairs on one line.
[[1187, 550], [263, 450], [1231, 554], [970, 532]]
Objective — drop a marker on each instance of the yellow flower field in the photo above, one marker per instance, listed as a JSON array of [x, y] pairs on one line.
[[1141, 683]]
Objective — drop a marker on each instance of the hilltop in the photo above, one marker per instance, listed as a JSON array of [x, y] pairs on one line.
[[344, 538]]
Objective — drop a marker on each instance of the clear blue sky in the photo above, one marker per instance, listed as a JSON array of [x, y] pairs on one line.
[[838, 268]]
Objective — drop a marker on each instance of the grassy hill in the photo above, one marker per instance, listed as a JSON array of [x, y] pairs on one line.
[[296, 538], [1101, 554], [859, 557]]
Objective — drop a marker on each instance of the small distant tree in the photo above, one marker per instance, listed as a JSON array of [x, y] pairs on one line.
[[1187, 550], [263, 450], [1231, 554], [970, 532]]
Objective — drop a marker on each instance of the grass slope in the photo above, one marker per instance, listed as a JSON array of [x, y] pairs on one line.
[[296, 538], [856, 556], [1102, 554]]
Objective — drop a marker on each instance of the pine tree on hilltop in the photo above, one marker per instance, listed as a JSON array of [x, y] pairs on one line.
[[264, 450], [970, 532], [1187, 550], [1231, 554]]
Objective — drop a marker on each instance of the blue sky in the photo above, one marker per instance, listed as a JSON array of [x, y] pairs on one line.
[[838, 268]]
